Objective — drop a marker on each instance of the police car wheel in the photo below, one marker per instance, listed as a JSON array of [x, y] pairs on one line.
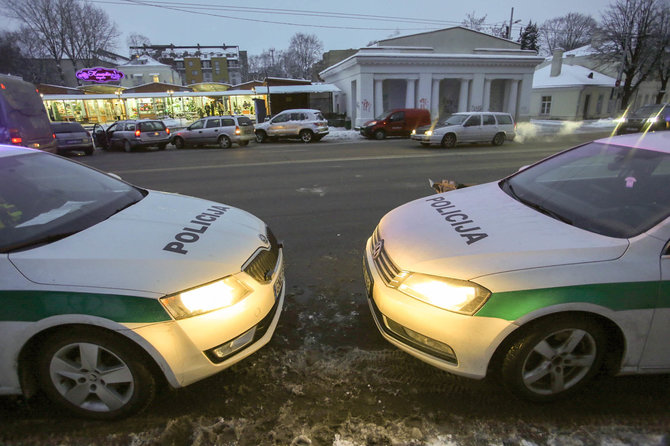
[[554, 358], [94, 374], [224, 142]]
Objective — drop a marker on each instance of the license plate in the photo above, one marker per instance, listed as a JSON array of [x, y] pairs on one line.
[[367, 277], [156, 134], [73, 141], [279, 283]]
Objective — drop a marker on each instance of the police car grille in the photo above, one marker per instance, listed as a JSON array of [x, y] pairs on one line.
[[263, 263], [385, 266]]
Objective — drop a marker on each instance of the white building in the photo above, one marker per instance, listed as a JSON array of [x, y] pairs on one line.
[[565, 91], [145, 70], [454, 69]]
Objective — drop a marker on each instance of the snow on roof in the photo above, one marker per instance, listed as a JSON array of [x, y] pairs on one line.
[[287, 89], [571, 76], [143, 60]]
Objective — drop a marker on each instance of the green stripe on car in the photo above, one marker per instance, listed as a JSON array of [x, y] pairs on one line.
[[31, 306], [512, 305]]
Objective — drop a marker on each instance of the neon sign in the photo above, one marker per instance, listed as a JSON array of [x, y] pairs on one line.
[[99, 74]]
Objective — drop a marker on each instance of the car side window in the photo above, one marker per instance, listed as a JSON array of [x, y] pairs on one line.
[[397, 116], [489, 120], [504, 119], [211, 123], [227, 122], [197, 125], [112, 128], [473, 121], [296, 117], [281, 118], [129, 128]]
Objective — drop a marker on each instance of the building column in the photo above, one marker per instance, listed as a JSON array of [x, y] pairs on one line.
[[435, 99], [379, 97], [512, 98], [463, 95], [409, 97], [366, 89], [487, 95]]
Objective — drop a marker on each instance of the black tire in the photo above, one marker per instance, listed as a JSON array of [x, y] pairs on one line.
[[306, 136], [224, 142], [449, 140], [161, 146], [89, 393], [179, 143], [127, 147], [499, 139], [379, 134], [554, 358], [261, 136], [244, 143]]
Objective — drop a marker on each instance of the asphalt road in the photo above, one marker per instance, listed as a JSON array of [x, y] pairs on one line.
[[328, 377]]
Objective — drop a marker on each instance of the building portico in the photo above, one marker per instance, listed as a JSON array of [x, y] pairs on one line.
[[377, 79]]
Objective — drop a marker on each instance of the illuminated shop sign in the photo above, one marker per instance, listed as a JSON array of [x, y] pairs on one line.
[[99, 74]]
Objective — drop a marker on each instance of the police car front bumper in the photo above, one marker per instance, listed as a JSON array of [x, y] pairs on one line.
[[457, 343], [192, 349]]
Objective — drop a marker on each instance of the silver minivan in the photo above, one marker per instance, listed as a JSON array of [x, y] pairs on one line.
[[468, 127], [222, 130]]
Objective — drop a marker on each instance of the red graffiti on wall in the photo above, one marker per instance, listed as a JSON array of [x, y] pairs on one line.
[[366, 105], [423, 103]]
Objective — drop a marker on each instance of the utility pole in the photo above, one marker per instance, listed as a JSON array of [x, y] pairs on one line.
[[511, 21]]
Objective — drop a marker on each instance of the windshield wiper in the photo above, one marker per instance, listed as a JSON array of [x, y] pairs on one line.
[[38, 241], [538, 207]]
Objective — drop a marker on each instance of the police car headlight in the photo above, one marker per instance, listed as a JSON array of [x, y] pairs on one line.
[[203, 299], [459, 296]]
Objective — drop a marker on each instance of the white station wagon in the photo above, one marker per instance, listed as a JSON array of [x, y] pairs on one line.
[[468, 127], [109, 289], [541, 279]]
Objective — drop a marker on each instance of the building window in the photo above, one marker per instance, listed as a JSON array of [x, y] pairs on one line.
[[156, 78], [599, 104], [545, 105], [207, 77], [206, 64], [194, 72], [179, 64]]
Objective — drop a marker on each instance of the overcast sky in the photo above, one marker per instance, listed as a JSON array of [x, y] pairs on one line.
[[258, 25]]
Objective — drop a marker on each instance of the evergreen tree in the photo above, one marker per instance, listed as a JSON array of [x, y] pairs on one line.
[[529, 37]]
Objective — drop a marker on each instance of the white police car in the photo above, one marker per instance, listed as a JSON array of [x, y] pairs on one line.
[[108, 289], [541, 279]]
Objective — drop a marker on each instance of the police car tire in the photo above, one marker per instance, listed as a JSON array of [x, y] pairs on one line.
[[523, 357], [115, 353], [224, 142]]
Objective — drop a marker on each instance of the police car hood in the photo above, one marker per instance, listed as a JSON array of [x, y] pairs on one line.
[[163, 244], [480, 230]]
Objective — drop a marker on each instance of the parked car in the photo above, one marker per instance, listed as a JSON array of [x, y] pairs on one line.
[[221, 130], [72, 137], [110, 291], [306, 124], [648, 118], [132, 134], [23, 119], [468, 127], [542, 279], [397, 122]]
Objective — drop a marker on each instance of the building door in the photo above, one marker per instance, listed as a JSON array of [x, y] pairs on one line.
[[587, 100]]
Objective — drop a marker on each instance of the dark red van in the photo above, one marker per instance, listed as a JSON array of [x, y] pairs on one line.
[[397, 122]]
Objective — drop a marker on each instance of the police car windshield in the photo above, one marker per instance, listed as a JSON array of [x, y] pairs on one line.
[[44, 198], [603, 188]]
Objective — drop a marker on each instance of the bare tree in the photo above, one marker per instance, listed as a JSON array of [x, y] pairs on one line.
[[629, 37], [473, 22], [664, 42], [268, 64], [568, 32], [303, 52], [71, 29], [136, 40]]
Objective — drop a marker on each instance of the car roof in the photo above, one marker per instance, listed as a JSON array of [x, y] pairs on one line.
[[656, 141], [300, 110]]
